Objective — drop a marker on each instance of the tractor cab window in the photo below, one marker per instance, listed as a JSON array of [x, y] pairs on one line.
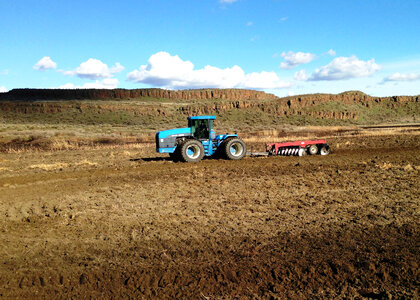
[[200, 129]]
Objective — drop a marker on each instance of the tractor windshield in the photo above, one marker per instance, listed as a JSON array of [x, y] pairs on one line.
[[200, 129]]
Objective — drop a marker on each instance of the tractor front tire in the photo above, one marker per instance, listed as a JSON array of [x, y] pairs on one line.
[[191, 151], [234, 148]]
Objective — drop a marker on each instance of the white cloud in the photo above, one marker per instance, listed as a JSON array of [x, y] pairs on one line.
[[68, 86], [94, 69], [167, 71], [345, 68], [301, 75], [264, 80], [4, 72], [402, 77], [108, 83], [293, 59], [283, 19], [249, 23], [44, 64], [3, 89], [227, 1], [331, 52]]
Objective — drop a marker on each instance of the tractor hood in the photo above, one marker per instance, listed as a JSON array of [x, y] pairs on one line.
[[173, 132]]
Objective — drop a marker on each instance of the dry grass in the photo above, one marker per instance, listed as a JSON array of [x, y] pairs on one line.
[[85, 162], [50, 167], [55, 144], [269, 136], [62, 165], [126, 138], [15, 150]]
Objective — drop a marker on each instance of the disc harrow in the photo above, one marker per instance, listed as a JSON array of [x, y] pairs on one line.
[[299, 148], [290, 151]]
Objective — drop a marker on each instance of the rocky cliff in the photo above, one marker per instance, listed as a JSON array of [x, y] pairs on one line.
[[104, 94], [355, 106], [352, 97]]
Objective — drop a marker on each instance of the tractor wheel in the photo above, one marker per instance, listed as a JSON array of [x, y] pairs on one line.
[[313, 149], [234, 149], [325, 150], [191, 151]]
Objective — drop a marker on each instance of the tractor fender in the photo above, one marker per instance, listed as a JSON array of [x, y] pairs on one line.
[[222, 137]]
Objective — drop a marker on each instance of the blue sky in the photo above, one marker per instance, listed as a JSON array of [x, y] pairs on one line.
[[283, 47]]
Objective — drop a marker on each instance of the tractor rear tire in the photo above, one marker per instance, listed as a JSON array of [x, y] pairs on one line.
[[234, 148], [313, 149], [191, 151]]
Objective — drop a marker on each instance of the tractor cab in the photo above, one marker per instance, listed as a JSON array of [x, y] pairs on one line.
[[202, 127]]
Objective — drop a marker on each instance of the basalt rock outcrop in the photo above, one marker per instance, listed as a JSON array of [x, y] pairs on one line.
[[355, 97], [106, 94], [196, 102]]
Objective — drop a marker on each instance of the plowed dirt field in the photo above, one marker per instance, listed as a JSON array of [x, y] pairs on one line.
[[121, 223]]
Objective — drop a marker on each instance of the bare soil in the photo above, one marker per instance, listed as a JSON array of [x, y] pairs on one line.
[[127, 223]]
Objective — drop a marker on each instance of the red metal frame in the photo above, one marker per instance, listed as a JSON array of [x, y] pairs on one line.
[[302, 144]]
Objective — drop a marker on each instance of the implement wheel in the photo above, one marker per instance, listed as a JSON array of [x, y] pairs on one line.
[[325, 150], [234, 149], [191, 151], [313, 149]]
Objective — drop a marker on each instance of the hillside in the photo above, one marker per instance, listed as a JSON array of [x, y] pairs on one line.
[[106, 94], [234, 107]]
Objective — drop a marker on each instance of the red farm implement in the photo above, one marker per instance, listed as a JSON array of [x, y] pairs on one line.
[[299, 148]]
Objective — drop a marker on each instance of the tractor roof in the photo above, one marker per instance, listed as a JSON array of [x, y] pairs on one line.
[[202, 118]]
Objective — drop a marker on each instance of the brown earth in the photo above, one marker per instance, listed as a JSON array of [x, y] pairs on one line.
[[123, 223]]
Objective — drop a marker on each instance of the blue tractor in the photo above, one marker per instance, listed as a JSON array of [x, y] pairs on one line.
[[192, 143]]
